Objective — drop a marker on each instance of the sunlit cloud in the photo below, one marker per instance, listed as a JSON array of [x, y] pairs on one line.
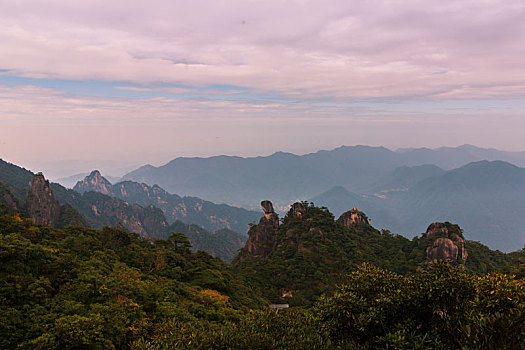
[[356, 49]]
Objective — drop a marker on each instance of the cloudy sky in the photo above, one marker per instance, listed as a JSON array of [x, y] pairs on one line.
[[118, 83]]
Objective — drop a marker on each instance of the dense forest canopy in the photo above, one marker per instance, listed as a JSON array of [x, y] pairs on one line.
[[101, 289]]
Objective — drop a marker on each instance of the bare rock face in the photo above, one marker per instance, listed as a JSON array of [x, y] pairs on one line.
[[354, 218], [262, 236], [446, 243], [146, 221], [42, 205], [94, 182], [299, 210], [267, 207]]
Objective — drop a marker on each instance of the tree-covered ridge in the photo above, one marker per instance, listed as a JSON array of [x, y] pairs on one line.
[[85, 288], [312, 253], [223, 243]]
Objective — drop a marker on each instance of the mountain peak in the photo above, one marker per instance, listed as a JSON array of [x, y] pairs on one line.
[[94, 182], [41, 203], [353, 217]]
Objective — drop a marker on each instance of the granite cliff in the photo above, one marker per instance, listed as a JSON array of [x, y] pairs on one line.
[[190, 210], [261, 238], [310, 252], [42, 206], [94, 182]]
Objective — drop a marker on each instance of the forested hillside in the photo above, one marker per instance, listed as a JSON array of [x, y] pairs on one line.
[[110, 289], [102, 289], [310, 252]]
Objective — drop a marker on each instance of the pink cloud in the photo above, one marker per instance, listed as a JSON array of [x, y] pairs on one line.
[[342, 49]]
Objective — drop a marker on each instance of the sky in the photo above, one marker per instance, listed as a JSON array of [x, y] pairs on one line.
[[115, 84]]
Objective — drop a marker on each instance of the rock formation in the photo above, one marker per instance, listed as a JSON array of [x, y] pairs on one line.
[[94, 182], [299, 210], [41, 204], [262, 236], [446, 243], [187, 209], [147, 221], [353, 217]]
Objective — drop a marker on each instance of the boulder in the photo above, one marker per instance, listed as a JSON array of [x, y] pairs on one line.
[[353, 217], [445, 242]]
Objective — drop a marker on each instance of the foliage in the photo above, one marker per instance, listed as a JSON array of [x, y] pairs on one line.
[[103, 289], [256, 330], [442, 307], [223, 243], [80, 288]]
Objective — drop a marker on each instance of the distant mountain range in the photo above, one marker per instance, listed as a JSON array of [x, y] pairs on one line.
[[487, 199], [400, 190], [285, 177]]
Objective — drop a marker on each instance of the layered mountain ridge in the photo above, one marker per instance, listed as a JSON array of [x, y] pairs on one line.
[[53, 205], [190, 210], [485, 198], [286, 177]]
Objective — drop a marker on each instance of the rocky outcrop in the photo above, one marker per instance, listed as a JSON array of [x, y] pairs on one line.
[[299, 210], [262, 236], [94, 182], [353, 218], [187, 209], [446, 242], [42, 206], [147, 221]]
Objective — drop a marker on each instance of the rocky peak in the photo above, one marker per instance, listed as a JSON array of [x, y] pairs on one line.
[[353, 217], [267, 207], [94, 182], [262, 236], [445, 242], [41, 204], [299, 210]]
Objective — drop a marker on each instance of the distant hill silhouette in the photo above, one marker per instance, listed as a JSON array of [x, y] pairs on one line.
[[286, 177], [487, 199]]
